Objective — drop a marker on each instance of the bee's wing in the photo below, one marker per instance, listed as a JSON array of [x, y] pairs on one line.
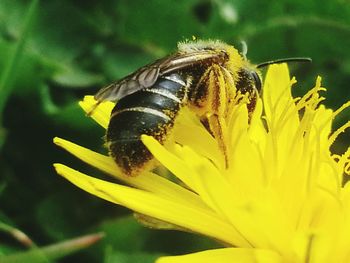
[[146, 76], [142, 78]]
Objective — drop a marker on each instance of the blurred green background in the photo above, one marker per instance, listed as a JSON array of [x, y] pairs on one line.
[[54, 52]]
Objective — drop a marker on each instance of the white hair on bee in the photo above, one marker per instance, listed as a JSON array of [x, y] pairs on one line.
[[197, 45]]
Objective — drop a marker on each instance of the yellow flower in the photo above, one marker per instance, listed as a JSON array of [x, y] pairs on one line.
[[280, 199]]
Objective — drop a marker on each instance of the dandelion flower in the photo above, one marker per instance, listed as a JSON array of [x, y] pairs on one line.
[[280, 199]]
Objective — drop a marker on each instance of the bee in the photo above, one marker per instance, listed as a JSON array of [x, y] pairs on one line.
[[150, 110], [202, 75]]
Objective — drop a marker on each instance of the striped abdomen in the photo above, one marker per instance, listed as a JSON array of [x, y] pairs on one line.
[[150, 111]]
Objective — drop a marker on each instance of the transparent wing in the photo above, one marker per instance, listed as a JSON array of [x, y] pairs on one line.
[[146, 76], [128, 85], [143, 78]]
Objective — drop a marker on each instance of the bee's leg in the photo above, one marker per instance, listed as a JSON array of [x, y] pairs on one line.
[[217, 128], [209, 101], [219, 98], [218, 102]]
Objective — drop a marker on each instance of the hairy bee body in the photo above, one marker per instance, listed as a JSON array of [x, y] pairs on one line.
[[202, 75], [150, 111]]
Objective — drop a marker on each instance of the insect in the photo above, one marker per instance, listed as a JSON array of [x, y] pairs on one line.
[[202, 75], [150, 111]]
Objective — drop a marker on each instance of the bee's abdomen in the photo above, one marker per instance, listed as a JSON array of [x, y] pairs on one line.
[[150, 111]]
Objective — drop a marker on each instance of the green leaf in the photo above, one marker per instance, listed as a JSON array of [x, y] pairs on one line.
[[64, 214], [76, 78], [7, 74], [48, 253], [142, 23], [2, 187], [74, 117], [16, 234], [114, 256], [125, 234]]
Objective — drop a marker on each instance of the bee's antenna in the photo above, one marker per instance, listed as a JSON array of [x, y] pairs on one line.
[[244, 49], [282, 60]]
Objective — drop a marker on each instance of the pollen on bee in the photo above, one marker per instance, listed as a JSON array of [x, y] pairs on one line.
[[202, 76]]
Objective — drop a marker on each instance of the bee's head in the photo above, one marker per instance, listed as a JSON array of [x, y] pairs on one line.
[[249, 81]]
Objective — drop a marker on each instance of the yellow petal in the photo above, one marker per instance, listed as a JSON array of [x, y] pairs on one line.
[[190, 131], [276, 92], [196, 219], [257, 130], [148, 181], [225, 199], [226, 255], [169, 160], [101, 113]]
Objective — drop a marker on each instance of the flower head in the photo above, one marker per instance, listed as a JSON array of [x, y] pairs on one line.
[[279, 199]]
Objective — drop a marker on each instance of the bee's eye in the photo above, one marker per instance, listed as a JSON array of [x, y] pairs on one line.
[[257, 80]]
